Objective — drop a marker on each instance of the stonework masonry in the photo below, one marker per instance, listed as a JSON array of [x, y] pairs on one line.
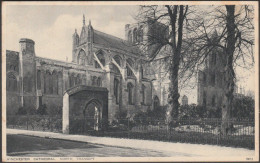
[[211, 79], [98, 60]]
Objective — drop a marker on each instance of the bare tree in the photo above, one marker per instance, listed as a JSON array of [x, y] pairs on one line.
[[235, 39], [160, 19]]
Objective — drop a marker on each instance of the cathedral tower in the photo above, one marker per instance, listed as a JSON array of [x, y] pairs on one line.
[[148, 35], [27, 73]]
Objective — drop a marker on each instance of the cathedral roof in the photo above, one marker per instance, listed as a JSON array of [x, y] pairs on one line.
[[114, 42]]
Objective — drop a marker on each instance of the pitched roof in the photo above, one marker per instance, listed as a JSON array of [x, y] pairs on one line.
[[114, 42]]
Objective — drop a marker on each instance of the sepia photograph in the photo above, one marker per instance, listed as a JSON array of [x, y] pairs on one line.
[[130, 81]]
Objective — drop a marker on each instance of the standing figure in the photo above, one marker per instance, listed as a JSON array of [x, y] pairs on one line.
[[96, 119]]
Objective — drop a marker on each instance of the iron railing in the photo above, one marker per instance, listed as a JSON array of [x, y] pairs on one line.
[[35, 122], [190, 130]]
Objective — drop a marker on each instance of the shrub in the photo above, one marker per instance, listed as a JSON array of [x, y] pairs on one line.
[[42, 110], [197, 111], [243, 107], [21, 111], [121, 118], [141, 118]]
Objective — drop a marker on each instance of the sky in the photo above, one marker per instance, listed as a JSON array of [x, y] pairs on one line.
[[52, 27]]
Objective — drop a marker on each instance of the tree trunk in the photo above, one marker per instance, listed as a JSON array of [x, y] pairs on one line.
[[173, 97], [229, 71]]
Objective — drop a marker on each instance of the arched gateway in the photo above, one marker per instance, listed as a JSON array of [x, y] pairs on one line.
[[88, 103]]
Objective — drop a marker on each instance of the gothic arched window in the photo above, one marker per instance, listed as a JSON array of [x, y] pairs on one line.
[[142, 72], [118, 60], [213, 79], [213, 102], [72, 80], [39, 79], [94, 80], [99, 82], [46, 82], [156, 102], [116, 90], [82, 57], [115, 69], [60, 83], [130, 89], [55, 82], [143, 94], [135, 36], [11, 83], [204, 99], [50, 89], [101, 58], [130, 63], [141, 34]]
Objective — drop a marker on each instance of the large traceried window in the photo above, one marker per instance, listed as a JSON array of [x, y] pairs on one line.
[[82, 57], [130, 89], [116, 90], [101, 58], [130, 63], [119, 62]]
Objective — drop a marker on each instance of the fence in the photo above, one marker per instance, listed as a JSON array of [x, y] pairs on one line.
[[35, 122], [199, 131]]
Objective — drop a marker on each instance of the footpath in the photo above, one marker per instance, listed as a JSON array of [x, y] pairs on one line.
[[191, 149]]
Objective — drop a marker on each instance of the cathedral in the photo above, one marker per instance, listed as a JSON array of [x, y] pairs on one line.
[[99, 60], [211, 79]]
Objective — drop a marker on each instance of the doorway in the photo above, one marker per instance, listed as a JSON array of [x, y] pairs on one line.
[[92, 115]]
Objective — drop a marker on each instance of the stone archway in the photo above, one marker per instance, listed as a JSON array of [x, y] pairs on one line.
[[93, 114], [85, 106]]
